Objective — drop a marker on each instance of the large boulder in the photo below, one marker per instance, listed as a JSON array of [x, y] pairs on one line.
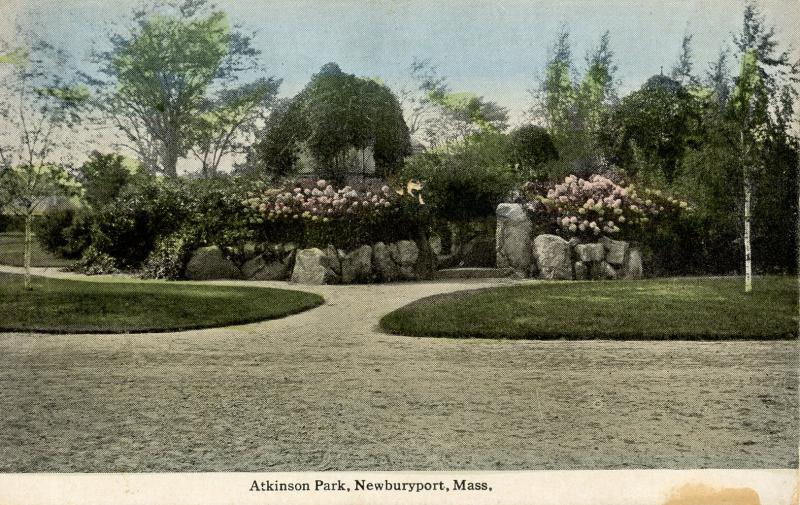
[[615, 250], [405, 254], [311, 267], [357, 265], [273, 271], [513, 246], [590, 252], [383, 263], [253, 266], [272, 265], [632, 268], [479, 252], [208, 263], [607, 271], [553, 257]]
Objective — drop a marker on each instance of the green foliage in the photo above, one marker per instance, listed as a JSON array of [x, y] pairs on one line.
[[531, 147], [94, 262], [105, 175], [129, 229], [467, 181], [337, 112], [649, 132], [169, 257], [162, 75], [63, 232]]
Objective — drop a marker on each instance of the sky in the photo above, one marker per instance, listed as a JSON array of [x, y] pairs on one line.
[[495, 48]]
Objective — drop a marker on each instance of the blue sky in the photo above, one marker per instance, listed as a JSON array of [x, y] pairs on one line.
[[493, 48]]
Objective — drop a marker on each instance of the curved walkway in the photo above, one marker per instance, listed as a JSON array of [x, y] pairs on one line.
[[325, 390]]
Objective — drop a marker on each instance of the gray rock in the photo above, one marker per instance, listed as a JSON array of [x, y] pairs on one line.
[[479, 252], [273, 271], [332, 258], [383, 263], [404, 252], [209, 263], [590, 252], [552, 254], [632, 269], [615, 250], [357, 265], [607, 271], [581, 271], [513, 247], [253, 266], [310, 267]]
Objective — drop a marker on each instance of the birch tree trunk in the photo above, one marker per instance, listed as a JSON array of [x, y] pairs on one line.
[[27, 257], [748, 260]]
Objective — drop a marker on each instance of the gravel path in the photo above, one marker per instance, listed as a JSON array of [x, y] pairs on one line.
[[325, 390]]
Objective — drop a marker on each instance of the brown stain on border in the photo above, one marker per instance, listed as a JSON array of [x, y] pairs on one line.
[[700, 494]]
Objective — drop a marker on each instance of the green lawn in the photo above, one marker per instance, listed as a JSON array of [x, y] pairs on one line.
[[684, 308], [65, 306], [12, 248]]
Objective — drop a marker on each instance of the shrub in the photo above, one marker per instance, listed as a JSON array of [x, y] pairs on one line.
[[63, 232], [315, 214], [467, 182], [169, 257], [105, 175], [531, 148], [589, 208], [130, 228], [94, 262]]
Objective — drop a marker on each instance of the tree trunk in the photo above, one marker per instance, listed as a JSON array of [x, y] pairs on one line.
[[27, 254], [748, 261], [170, 155]]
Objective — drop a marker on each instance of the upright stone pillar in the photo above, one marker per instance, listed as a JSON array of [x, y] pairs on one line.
[[513, 240]]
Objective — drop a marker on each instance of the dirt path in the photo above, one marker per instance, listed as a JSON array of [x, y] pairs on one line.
[[325, 390]]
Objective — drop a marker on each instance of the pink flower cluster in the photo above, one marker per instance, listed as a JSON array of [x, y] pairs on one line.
[[321, 202], [600, 206]]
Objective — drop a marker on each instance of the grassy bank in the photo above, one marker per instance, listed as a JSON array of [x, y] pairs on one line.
[[686, 308], [66, 306], [12, 251]]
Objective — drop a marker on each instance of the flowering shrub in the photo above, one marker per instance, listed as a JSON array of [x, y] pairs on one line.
[[599, 206], [314, 213]]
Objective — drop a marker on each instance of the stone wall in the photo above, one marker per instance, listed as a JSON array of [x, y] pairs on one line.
[[396, 261], [551, 257]]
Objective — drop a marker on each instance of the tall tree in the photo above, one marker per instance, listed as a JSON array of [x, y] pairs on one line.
[[750, 112], [437, 116], [682, 70], [762, 110], [595, 96], [718, 78], [335, 113], [229, 121], [40, 110], [557, 91], [160, 71]]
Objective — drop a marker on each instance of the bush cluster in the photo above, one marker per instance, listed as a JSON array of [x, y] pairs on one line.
[[315, 214], [64, 232], [587, 209]]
